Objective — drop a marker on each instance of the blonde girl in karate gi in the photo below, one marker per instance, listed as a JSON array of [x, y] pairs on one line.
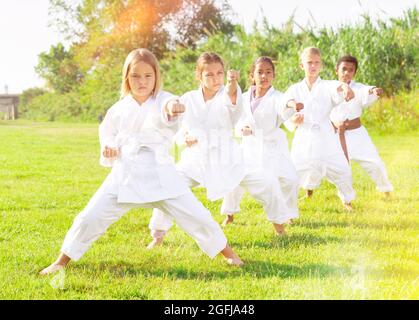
[[211, 158], [135, 137], [315, 151], [265, 145], [346, 118]]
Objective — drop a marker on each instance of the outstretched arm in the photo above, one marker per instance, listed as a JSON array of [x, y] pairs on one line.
[[369, 94], [376, 91], [233, 77]]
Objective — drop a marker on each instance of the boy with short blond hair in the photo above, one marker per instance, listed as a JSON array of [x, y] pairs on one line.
[[315, 151]]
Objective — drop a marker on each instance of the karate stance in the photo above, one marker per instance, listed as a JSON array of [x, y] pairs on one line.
[[315, 151], [264, 145], [135, 137], [212, 157], [354, 138]]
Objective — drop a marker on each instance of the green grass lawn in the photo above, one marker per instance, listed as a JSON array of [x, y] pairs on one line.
[[49, 171]]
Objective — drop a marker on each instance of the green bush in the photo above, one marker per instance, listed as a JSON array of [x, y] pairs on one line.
[[53, 106], [387, 53], [396, 113]]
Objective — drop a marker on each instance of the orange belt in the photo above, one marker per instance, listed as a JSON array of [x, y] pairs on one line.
[[346, 125]]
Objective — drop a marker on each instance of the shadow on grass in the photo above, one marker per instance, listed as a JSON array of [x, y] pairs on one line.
[[290, 240], [379, 225], [319, 225], [252, 268]]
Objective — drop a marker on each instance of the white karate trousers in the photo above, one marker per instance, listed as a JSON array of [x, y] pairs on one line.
[[103, 210], [362, 150], [285, 207], [335, 168], [160, 221], [277, 196]]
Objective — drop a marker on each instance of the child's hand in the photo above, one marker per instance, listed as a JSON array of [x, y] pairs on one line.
[[190, 141], [232, 84], [109, 152], [297, 106], [347, 92], [246, 131], [174, 108], [376, 91], [233, 77], [297, 119]]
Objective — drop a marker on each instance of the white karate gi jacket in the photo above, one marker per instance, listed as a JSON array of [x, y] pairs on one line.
[[144, 171], [268, 143], [315, 137], [215, 162], [359, 144], [353, 109]]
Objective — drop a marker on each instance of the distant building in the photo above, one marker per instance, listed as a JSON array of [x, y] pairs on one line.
[[8, 105]]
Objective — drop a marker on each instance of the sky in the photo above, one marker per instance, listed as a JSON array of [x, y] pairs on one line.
[[24, 31]]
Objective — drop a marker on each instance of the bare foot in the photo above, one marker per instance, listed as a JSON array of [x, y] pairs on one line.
[[156, 242], [231, 258], [229, 219], [53, 268], [237, 262], [58, 264], [348, 206], [280, 229]]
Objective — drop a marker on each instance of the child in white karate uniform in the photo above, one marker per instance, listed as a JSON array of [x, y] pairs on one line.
[[212, 157], [135, 137], [315, 151], [352, 135], [264, 144]]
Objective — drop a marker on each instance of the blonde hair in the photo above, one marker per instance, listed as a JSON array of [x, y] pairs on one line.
[[136, 56], [309, 51], [207, 58]]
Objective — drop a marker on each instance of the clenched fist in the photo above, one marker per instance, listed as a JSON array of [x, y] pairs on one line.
[[246, 131], [297, 106], [109, 152], [347, 92], [233, 76], [174, 108], [232, 84], [190, 141], [297, 119], [376, 91]]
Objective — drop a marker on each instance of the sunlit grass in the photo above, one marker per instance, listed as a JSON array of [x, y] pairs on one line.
[[49, 171]]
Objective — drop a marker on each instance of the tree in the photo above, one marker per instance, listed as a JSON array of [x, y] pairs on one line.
[[200, 19], [58, 68], [98, 29], [27, 96]]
